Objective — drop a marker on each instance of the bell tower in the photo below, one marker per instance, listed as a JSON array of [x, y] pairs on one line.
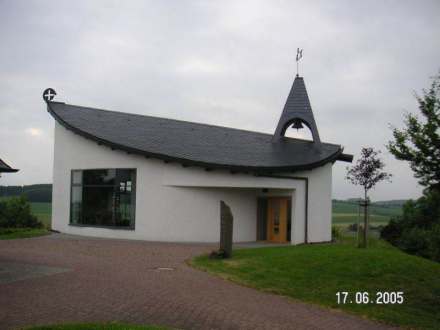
[[297, 111]]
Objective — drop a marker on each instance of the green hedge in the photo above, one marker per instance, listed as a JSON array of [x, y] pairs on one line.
[[417, 231], [15, 212]]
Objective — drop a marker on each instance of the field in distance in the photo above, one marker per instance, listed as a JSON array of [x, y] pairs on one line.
[[346, 212], [43, 211]]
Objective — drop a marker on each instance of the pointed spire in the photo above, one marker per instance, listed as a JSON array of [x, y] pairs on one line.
[[297, 110]]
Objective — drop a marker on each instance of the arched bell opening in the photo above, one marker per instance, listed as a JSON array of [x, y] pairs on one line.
[[299, 129]]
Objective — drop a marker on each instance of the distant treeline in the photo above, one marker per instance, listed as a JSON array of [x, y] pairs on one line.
[[34, 193]]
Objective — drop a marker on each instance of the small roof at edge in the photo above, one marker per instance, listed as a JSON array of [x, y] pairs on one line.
[[5, 168]]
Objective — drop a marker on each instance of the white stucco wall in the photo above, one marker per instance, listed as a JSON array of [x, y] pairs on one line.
[[182, 204], [320, 203]]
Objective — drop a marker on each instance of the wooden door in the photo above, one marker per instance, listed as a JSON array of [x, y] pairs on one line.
[[277, 213]]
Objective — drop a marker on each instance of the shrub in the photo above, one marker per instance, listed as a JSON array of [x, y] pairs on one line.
[[415, 241], [336, 233], [424, 212], [392, 232], [378, 228], [417, 231], [434, 243], [353, 227], [15, 212]]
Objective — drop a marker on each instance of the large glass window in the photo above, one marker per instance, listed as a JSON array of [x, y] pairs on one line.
[[103, 198]]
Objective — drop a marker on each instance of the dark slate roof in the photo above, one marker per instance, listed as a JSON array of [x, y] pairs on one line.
[[193, 143], [6, 168]]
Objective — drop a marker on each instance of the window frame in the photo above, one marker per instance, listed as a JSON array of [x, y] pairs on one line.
[[133, 194]]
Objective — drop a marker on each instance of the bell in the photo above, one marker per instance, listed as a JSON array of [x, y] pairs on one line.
[[297, 124]]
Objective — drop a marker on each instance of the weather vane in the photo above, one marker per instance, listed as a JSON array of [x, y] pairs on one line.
[[299, 55]]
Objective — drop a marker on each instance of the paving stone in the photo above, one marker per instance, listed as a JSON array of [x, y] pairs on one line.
[[93, 280]]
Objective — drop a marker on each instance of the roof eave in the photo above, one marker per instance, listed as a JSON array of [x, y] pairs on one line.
[[8, 170], [345, 158]]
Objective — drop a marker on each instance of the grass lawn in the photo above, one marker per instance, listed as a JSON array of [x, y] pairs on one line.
[[13, 233], [97, 326], [315, 273]]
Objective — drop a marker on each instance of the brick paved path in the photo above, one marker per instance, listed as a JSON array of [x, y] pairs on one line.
[[116, 280]]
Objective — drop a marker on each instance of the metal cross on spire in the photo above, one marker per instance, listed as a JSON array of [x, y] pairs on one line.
[[49, 94], [299, 55]]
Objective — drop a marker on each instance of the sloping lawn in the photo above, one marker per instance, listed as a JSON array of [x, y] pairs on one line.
[[315, 273], [13, 233], [97, 326]]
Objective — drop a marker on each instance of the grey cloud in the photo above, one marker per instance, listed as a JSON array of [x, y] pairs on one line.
[[229, 63]]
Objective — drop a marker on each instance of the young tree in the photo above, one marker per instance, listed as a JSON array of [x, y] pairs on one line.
[[419, 142], [367, 172]]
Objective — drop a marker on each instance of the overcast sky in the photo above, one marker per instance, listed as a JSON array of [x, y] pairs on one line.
[[228, 63]]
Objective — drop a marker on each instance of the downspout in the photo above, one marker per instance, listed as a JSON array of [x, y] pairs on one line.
[[306, 180]]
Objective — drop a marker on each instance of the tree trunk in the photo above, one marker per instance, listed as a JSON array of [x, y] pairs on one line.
[[365, 221]]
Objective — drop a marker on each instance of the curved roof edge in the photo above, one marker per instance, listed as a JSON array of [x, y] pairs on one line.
[[185, 162]]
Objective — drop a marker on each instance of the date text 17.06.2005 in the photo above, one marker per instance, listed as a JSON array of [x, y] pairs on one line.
[[344, 297]]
